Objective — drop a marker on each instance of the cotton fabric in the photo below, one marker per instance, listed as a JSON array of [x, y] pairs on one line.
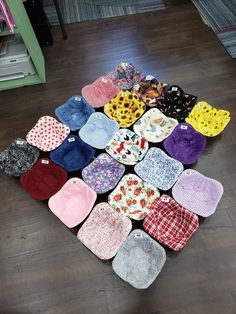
[[100, 91], [74, 112], [175, 103], [43, 180], [158, 169], [103, 173], [18, 158], [198, 193], [125, 108], [208, 120], [73, 154], [47, 134], [73, 202], [98, 130], [139, 260], [127, 147], [125, 75], [132, 197], [170, 223], [185, 144], [104, 231], [154, 126], [149, 90]]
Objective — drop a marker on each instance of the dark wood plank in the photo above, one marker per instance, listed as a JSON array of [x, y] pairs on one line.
[[44, 269]]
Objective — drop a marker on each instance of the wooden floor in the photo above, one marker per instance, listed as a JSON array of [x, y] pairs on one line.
[[43, 267]]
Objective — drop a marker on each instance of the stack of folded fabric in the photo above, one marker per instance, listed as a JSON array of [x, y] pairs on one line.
[[54, 151]]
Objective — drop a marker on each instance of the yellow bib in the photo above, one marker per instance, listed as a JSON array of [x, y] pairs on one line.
[[208, 120], [125, 108]]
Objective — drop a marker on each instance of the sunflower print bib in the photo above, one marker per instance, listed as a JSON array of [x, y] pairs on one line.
[[125, 108]]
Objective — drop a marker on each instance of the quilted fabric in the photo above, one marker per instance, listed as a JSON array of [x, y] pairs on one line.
[[125, 75], [104, 231], [127, 147], [18, 157], [208, 120], [139, 260], [73, 202], [125, 108], [47, 134], [148, 90], [133, 197], [74, 112], [158, 169], [175, 103], [43, 180], [197, 192], [100, 92], [103, 173], [185, 144], [73, 154], [98, 130], [170, 223], [154, 126]]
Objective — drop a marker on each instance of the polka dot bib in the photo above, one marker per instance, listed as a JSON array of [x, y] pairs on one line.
[[47, 134]]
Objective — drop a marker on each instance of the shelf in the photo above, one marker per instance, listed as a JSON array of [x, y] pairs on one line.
[[6, 32], [24, 28], [28, 80]]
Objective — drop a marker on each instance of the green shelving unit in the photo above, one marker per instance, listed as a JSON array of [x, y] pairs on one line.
[[6, 32], [24, 28]]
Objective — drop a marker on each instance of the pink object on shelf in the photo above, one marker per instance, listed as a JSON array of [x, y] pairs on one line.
[[9, 13], [7, 16]]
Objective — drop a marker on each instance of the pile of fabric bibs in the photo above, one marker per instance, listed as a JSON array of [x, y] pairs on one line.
[[74, 162]]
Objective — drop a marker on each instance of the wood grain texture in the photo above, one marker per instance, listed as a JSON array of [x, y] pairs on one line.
[[43, 267]]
